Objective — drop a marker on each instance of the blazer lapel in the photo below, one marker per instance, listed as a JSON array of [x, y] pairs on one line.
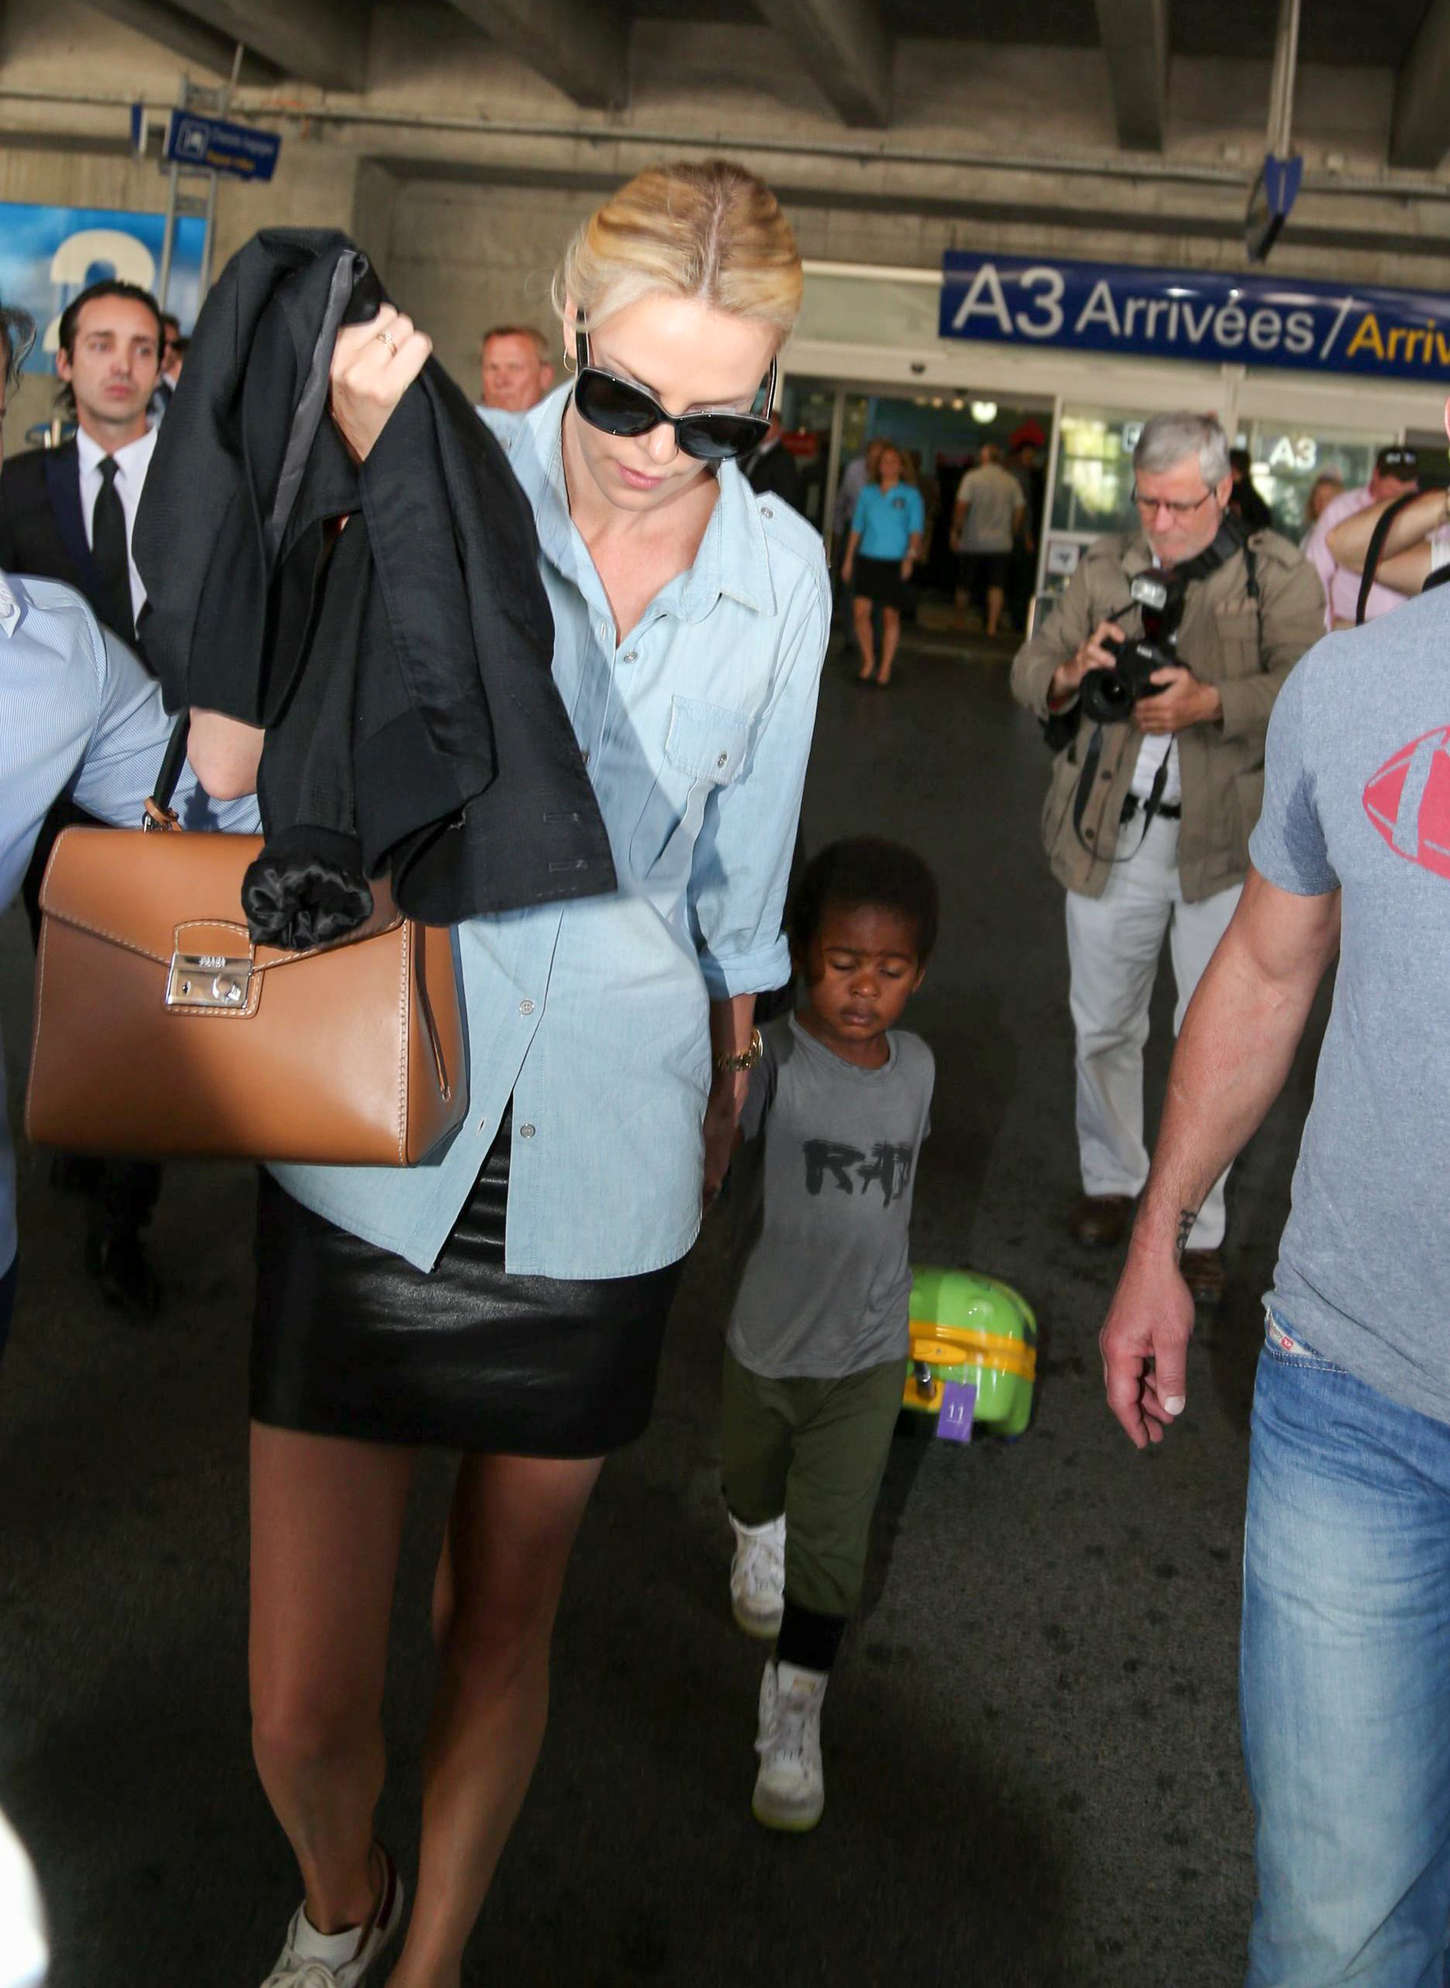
[[63, 487]]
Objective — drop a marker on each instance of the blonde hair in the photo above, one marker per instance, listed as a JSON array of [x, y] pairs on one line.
[[712, 232]]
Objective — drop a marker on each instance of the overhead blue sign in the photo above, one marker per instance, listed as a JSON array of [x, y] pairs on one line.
[[211, 144], [49, 254], [1190, 314]]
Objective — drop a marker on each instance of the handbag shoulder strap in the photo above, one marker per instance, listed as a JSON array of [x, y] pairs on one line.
[[159, 812], [1376, 545]]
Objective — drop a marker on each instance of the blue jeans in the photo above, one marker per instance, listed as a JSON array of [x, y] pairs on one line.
[[1344, 1679]]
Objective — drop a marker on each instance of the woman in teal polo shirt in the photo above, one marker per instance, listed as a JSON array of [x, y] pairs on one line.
[[884, 545]]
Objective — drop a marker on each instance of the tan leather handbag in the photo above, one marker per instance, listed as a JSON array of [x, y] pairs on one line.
[[161, 1029]]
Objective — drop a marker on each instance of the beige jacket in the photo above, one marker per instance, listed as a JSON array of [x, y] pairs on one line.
[[1245, 648]]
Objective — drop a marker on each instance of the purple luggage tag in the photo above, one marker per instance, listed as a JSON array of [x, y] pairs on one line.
[[958, 1402]]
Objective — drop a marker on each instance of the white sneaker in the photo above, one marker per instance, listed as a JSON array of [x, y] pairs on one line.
[[298, 1969], [790, 1789], [757, 1576]]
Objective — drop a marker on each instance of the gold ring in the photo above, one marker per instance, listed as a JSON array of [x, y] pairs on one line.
[[386, 338]]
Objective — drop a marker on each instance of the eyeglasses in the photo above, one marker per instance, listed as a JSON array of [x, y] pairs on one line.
[[1182, 508], [616, 407]]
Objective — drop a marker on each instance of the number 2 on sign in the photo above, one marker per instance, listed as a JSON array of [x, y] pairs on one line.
[[958, 1400]]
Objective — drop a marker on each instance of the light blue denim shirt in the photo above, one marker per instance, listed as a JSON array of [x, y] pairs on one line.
[[78, 715], [593, 1016]]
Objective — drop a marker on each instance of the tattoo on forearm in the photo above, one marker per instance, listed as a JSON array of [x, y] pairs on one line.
[[1186, 1219]]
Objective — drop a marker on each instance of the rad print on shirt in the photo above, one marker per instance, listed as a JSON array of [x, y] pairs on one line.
[[885, 1166], [1408, 801]]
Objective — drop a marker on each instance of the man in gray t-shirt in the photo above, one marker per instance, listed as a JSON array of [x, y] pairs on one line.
[[1345, 1662]]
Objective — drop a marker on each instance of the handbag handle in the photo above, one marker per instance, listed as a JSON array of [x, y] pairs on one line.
[[159, 812]]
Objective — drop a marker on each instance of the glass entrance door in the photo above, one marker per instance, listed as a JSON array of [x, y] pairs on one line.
[[941, 433]]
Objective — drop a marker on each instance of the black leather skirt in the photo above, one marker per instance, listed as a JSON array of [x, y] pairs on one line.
[[350, 1340]]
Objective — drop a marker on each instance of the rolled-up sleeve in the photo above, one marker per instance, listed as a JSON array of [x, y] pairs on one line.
[[742, 858]]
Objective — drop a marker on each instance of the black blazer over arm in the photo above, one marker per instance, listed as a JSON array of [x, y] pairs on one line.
[[404, 668]]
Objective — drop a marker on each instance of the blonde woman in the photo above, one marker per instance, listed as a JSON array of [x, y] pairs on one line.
[[508, 1299]]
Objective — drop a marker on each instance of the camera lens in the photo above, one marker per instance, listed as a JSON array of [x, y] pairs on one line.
[[1105, 698]]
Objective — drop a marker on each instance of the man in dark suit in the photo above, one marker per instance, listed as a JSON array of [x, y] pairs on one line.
[[67, 514], [770, 467]]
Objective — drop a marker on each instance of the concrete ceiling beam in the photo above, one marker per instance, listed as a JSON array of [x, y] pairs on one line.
[[581, 47], [1420, 126], [844, 48], [173, 28], [1134, 35], [323, 42]]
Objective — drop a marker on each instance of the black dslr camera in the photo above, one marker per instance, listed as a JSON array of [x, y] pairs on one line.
[[1107, 697]]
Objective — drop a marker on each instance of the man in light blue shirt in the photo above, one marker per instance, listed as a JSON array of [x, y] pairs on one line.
[[78, 715]]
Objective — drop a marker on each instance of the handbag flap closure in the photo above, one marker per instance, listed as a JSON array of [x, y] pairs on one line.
[[162, 895]]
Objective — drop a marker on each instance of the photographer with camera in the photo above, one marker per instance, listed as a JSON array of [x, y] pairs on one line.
[[1154, 677]]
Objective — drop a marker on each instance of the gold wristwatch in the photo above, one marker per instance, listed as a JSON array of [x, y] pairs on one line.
[[741, 1059]]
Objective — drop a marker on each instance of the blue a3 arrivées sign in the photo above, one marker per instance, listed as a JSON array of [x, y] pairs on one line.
[[1189, 314]]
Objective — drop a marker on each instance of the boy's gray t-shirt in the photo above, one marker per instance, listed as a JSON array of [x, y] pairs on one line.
[[1357, 796], [822, 1188]]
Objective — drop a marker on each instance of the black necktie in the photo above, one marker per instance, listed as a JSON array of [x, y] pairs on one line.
[[108, 550]]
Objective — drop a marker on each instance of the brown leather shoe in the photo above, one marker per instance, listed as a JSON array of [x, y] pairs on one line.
[[1203, 1274], [1100, 1220]]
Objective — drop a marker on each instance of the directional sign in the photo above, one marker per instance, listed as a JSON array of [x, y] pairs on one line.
[[1197, 314], [211, 144]]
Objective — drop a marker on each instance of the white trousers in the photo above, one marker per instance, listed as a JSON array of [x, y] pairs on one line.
[[1113, 946]]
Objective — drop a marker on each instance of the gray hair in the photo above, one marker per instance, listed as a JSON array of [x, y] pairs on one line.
[[17, 335], [1168, 438]]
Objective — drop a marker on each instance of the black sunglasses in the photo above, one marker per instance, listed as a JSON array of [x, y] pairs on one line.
[[617, 408]]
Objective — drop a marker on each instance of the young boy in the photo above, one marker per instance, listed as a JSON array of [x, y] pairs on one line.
[[818, 1337]]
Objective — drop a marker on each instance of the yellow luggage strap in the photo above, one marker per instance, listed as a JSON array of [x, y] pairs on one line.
[[986, 1349]]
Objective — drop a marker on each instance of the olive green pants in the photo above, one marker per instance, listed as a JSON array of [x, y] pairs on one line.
[[815, 1450]]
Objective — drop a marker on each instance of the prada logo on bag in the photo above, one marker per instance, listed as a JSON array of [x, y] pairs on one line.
[[207, 980]]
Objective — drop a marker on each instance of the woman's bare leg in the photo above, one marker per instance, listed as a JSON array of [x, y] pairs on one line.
[[890, 636], [509, 1538], [327, 1519], [865, 636]]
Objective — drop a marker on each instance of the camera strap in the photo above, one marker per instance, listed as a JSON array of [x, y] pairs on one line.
[[1085, 780], [1375, 549], [1228, 540]]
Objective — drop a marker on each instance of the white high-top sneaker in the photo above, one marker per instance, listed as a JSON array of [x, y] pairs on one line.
[[790, 1789], [757, 1576]]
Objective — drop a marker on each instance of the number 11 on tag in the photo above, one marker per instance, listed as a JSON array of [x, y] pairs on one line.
[[958, 1400]]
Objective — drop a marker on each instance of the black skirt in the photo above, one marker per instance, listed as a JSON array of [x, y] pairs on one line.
[[350, 1340], [880, 580]]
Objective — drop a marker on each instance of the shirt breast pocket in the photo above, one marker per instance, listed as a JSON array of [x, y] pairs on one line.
[[704, 751]]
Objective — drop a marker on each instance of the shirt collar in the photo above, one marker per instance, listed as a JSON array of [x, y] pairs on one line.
[[733, 558], [131, 460], [9, 605]]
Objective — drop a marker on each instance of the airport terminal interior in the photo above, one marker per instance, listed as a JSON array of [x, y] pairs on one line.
[[1032, 1743]]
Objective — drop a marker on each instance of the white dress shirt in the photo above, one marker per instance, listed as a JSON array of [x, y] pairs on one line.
[[132, 463]]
